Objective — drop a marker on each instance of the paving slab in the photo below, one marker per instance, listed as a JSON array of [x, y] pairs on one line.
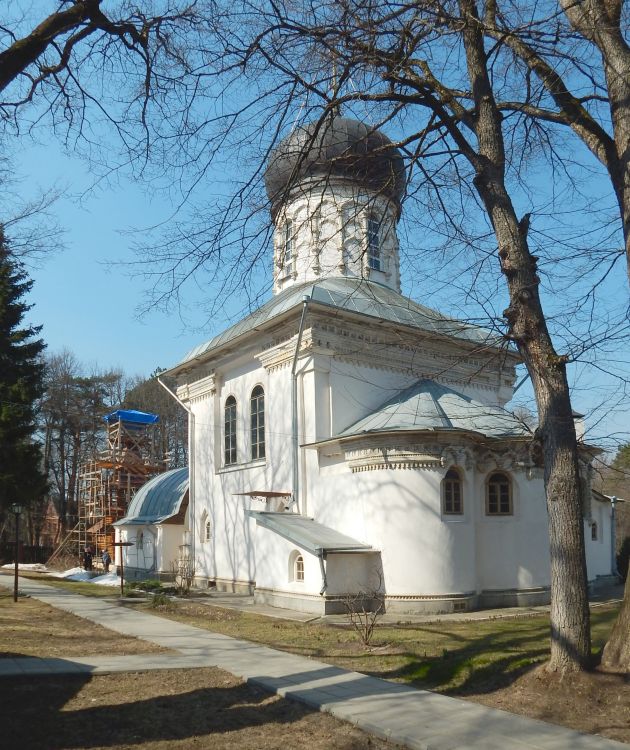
[[417, 719]]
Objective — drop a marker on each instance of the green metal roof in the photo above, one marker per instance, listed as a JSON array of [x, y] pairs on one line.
[[427, 405], [158, 499], [307, 534], [354, 296]]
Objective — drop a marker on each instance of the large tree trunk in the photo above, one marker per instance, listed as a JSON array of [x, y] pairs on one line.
[[570, 620], [616, 656], [600, 21]]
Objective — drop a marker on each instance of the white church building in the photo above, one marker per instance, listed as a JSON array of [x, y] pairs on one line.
[[347, 439]]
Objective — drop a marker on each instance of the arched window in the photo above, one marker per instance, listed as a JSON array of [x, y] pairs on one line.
[[594, 535], [207, 530], [499, 495], [298, 568], [230, 431], [257, 408], [374, 242], [288, 248], [452, 495], [140, 540]]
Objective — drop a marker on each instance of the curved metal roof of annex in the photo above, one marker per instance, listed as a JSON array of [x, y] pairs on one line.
[[352, 295], [157, 500]]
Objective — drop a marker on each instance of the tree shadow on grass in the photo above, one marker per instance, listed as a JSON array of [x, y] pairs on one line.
[[477, 665], [36, 715]]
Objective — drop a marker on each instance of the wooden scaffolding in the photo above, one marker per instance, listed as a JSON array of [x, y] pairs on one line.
[[108, 482]]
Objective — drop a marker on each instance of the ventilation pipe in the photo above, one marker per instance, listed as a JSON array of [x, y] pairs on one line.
[[191, 465], [322, 567], [294, 408]]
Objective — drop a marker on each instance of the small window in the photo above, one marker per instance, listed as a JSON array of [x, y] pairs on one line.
[[207, 531], [257, 408], [452, 496], [374, 243], [298, 568], [499, 495], [594, 531], [288, 249], [230, 431], [140, 540]]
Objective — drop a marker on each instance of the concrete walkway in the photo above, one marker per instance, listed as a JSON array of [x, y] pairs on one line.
[[414, 718]]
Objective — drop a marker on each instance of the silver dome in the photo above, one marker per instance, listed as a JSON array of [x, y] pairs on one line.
[[335, 148]]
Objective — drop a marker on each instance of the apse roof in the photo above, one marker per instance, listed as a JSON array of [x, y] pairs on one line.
[[358, 296], [157, 500], [308, 534], [427, 405]]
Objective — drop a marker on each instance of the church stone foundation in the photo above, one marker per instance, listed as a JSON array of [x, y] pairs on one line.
[[494, 599], [431, 605], [233, 587]]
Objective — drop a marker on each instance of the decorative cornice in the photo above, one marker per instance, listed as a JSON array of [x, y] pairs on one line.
[[377, 451], [198, 389], [393, 457]]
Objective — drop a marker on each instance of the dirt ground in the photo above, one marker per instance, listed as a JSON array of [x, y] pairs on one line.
[[167, 709], [31, 628], [596, 703], [177, 710]]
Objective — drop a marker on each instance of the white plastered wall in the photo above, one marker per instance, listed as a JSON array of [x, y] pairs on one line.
[[598, 551], [330, 236]]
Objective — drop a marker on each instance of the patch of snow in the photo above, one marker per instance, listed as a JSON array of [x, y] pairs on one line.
[[78, 574], [37, 567], [108, 579], [74, 572]]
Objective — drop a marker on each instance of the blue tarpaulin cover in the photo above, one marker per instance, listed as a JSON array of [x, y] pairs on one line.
[[131, 415]]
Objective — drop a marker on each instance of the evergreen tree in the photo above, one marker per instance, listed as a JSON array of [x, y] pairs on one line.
[[21, 384]]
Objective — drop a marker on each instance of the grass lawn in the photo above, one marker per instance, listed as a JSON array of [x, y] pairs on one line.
[[455, 658], [495, 662]]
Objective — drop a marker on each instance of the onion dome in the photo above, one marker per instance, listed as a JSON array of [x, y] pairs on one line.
[[338, 148]]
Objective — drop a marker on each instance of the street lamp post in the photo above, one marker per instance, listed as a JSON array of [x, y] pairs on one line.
[[16, 509]]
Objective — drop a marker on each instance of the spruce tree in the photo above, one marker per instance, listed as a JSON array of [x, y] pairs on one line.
[[21, 384]]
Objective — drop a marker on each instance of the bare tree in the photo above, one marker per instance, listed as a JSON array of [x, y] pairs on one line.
[[71, 416], [437, 73], [441, 77]]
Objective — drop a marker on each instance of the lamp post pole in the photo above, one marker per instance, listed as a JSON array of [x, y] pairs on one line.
[[16, 509]]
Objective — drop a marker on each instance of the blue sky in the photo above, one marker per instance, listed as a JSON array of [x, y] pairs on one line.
[[84, 295]]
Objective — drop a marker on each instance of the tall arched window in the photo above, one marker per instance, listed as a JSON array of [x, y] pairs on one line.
[[452, 495], [499, 495], [288, 248], [257, 407], [374, 242], [230, 431]]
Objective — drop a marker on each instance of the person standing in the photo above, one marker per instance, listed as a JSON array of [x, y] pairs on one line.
[[106, 558], [87, 558]]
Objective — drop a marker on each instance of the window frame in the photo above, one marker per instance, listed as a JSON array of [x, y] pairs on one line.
[[230, 444], [298, 569], [207, 530], [594, 531], [374, 250], [449, 483], [491, 485], [257, 423], [288, 247]]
